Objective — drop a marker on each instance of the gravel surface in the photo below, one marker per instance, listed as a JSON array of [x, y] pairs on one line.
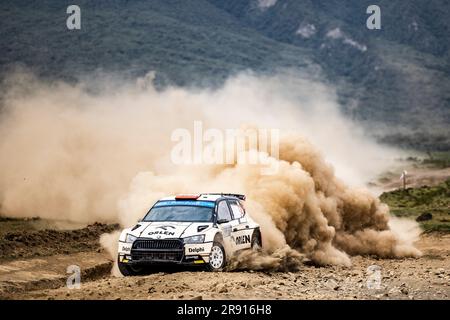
[[427, 277]]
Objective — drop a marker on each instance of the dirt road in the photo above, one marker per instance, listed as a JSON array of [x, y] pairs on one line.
[[369, 278]]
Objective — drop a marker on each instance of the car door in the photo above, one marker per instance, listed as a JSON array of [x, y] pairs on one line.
[[241, 234], [224, 220]]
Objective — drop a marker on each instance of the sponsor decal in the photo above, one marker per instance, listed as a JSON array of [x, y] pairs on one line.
[[192, 257], [165, 227], [164, 233], [242, 239], [196, 250], [126, 248]]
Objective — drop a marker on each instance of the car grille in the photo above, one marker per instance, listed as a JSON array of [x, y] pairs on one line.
[[158, 244], [157, 250]]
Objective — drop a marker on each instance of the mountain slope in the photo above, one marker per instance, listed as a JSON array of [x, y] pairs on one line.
[[396, 77], [395, 80], [183, 40]]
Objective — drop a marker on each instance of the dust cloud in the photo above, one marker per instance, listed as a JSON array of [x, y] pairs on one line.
[[109, 242], [67, 153]]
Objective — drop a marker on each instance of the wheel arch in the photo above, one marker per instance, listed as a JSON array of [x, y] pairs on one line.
[[218, 237]]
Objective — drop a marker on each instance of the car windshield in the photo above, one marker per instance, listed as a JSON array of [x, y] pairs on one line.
[[183, 213]]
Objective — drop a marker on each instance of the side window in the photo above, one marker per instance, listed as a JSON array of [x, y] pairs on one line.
[[223, 213], [237, 210]]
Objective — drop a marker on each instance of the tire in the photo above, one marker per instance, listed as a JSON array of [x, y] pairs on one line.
[[217, 257], [127, 270], [256, 243]]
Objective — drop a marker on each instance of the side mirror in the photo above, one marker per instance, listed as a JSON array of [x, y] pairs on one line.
[[220, 221]]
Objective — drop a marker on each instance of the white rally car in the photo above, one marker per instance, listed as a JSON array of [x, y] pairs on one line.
[[201, 229]]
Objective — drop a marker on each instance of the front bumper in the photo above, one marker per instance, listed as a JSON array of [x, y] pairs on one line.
[[163, 251]]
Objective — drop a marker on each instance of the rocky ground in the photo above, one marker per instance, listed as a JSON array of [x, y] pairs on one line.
[[25, 239], [35, 255], [369, 278]]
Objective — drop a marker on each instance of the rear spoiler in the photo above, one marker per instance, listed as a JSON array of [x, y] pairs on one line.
[[236, 195]]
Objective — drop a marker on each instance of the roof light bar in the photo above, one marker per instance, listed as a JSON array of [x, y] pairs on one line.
[[187, 197]]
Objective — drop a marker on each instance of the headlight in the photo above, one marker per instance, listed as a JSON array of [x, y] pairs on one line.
[[195, 239], [130, 238]]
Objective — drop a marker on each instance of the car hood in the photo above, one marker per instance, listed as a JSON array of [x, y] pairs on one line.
[[166, 230]]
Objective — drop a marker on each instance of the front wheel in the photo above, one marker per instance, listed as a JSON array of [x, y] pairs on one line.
[[217, 257], [127, 270]]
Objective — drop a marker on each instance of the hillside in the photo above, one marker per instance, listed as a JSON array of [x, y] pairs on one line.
[[395, 80], [395, 77], [186, 42], [431, 203]]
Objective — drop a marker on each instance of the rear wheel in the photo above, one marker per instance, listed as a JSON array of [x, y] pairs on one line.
[[256, 244], [217, 257]]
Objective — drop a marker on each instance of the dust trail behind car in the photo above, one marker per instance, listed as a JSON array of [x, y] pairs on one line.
[[66, 152], [303, 206]]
